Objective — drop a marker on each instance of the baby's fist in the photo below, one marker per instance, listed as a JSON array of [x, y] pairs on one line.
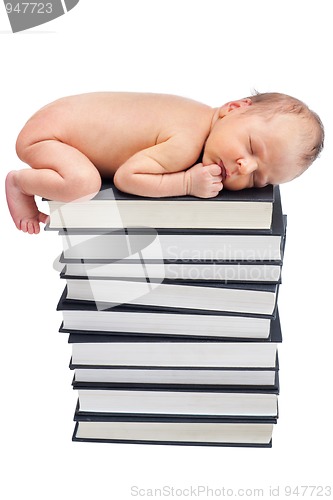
[[204, 181]]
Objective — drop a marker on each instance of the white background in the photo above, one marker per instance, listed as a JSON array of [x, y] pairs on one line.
[[212, 51]]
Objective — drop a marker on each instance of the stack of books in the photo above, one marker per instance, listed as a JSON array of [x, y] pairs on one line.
[[171, 309]]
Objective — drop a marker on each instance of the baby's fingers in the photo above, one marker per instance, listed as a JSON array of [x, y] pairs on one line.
[[217, 179], [214, 169], [216, 188], [215, 193]]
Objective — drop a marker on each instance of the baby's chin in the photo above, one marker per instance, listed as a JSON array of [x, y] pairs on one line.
[[234, 184]]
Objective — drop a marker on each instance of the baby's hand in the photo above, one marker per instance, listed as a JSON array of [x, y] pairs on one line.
[[204, 181]]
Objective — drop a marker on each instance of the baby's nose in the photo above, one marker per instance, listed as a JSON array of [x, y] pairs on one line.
[[246, 166]]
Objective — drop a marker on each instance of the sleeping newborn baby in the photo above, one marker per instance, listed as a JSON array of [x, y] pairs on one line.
[[158, 145]]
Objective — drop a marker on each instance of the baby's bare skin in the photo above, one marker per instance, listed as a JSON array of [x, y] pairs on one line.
[[150, 144], [72, 142]]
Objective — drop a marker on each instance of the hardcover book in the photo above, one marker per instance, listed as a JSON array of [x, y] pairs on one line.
[[110, 208], [198, 402], [174, 431], [227, 378], [243, 298], [111, 351], [178, 244], [86, 317], [225, 271]]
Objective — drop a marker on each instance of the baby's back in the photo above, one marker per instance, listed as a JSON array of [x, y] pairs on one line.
[[109, 127]]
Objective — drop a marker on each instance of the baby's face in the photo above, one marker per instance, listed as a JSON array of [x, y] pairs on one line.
[[251, 150]]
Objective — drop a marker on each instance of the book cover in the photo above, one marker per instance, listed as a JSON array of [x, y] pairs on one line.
[[246, 298], [173, 430], [132, 319], [219, 377], [177, 384], [158, 352], [178, 402], [218, 271], [249, 208], [183, 245]]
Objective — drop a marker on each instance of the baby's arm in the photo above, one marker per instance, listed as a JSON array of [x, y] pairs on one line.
[[163, 170]]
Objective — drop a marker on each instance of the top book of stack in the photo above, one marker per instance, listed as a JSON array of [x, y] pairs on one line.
[[249, 209]]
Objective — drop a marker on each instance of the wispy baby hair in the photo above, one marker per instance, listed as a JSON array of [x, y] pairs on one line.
[[272, 103]]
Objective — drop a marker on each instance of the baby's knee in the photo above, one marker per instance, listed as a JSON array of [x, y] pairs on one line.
[[29, 135], [22, 144], [83, 185], [91, 184], [40, 127]]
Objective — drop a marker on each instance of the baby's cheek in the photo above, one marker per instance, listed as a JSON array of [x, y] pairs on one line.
[[236, 183]]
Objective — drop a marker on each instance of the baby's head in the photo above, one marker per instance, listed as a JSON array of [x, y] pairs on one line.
[[265, 139]]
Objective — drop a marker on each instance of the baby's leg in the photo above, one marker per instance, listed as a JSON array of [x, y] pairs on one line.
[[59, 172]]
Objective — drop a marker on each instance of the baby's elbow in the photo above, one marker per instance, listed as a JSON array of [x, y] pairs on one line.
[[119, 180], [125, 181]]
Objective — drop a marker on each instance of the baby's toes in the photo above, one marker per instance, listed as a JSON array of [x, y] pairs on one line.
[[30, 227], [43, 218], [24, 225], [36, 227], [33, 226]]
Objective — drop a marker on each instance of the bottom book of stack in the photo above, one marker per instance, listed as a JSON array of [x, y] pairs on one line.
[[174, 430], [175, 390]]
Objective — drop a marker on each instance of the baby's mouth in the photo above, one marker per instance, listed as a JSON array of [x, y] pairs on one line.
[[224, 171]]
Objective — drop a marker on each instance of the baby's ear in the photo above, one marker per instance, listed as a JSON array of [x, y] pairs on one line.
[[232, 105]]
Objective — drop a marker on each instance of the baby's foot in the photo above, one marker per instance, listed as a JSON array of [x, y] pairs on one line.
[[204, 181], [22, 207]]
